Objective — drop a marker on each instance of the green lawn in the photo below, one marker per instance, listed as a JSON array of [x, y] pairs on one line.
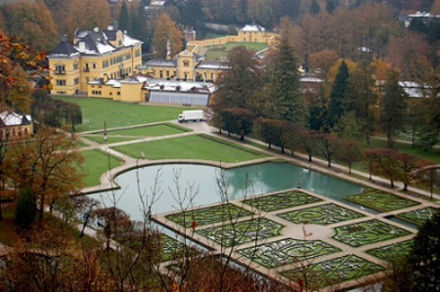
[[432, 155], [96, 111], [99, 138], [96, 163], [136, 133], [191, 147], [151, 131], [217, 52]]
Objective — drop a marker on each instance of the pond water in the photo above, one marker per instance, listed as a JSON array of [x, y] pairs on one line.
[[201, 183]]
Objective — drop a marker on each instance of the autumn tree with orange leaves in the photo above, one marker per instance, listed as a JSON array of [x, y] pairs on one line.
[[48, 165], [166, 30], [15, 57]]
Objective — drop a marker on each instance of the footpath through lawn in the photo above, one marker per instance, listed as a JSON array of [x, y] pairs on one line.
[[191, 147]]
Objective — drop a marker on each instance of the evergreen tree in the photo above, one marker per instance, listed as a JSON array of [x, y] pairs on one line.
[[393, 107], [139, 23], [318, 112], [124, 18], [192, 15], [425, 255], [337, 94], [26, 209], [361, 97], [285, 101]]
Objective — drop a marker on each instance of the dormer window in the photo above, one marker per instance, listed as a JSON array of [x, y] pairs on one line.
[[119, 43]]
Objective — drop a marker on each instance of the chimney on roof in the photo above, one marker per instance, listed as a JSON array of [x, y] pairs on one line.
[[115, 25], [64, 38]]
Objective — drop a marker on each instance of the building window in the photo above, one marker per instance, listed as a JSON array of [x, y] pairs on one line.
[[244, 39], [186, 63], [75, 66], [119, 43], [137, 53], [61, 82], [86, 68], [96, 92], [118, 93], [60, 68], [160, 74], [76, 81], [94, 65], [168, 74]]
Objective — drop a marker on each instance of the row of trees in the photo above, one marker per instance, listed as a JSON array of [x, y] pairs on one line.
[[343, 112], [54, 112], [268, 13]]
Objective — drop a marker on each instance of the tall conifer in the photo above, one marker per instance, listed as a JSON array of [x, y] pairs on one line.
[[285, 101], [337, 94]]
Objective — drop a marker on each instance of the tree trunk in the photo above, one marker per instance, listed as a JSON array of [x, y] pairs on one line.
[[405, 187]]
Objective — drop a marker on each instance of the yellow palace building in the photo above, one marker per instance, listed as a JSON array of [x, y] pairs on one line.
[[95, 54], [108, 64], [189, 65]]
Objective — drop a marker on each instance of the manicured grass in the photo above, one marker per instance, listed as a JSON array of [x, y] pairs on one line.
[[323, 214], [191, 147], [334, 271], [242, 232], [96, 111], [281, 201], [100, 139], [95, 164], [151, 131], [367, 232], [220, 51], [209, 215], [419, 216], [287, 251], [381, 201], [433, 154], [393, 251]]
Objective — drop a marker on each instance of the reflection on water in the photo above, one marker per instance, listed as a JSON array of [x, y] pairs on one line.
[[243, 181]]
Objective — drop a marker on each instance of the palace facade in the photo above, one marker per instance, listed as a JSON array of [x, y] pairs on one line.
[[95, 54]]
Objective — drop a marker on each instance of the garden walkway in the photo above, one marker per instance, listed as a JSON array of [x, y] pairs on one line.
[[312, 232]]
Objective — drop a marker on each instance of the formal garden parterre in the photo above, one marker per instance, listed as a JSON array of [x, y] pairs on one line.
[[269, 244]]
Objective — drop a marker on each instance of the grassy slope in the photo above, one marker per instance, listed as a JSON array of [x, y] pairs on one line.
[[215, 52]]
